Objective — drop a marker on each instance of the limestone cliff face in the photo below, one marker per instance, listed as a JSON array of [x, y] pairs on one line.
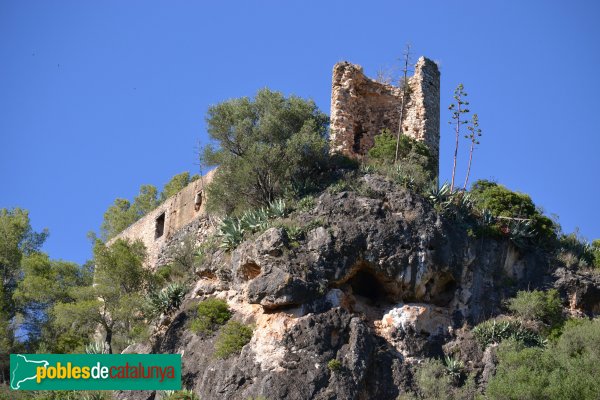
[[379, 281]]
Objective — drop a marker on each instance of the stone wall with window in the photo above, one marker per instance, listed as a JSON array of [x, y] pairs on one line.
[[158, 226]]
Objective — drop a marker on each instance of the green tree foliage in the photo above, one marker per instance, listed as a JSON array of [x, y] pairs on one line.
[[537, 305], [566, 369], [17, 240], [177, 183], [122, 213], [45, 283], [145, 201], [266, 147], [118, 217], [502, 202], [115, 299]]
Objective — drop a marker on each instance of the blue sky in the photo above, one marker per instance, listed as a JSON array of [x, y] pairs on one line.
[[97, 98]]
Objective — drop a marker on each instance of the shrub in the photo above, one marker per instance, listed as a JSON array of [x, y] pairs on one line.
[[493, 331], [306, 203], [415, 166], [232, 338], [267, 146], [435, 383], [502, 202], [575, 251], [538, 306], [596, 251], [566, 369], [183, 258], [211, 313], [334, 365]]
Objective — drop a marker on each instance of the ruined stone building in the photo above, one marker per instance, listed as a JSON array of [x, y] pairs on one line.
[[361, 108], [159, 226]]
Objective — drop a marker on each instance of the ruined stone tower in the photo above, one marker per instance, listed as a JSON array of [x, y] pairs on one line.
[[362, 107]]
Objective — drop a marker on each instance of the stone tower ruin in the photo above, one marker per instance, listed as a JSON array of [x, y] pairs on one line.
[[361, 108]]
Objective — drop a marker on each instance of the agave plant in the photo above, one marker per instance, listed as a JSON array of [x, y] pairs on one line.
[[454, 367], [97, 347], [403, 178], [439, 194], [492, 331], [254, 220], [231, 233], [487, 218], [366, 169], [277, 209], [167, 299], [520, 231]]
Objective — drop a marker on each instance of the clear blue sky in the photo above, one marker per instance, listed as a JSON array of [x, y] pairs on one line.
[[97, 98]]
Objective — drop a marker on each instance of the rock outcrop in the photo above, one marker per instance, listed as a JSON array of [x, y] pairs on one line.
[[378, 281]]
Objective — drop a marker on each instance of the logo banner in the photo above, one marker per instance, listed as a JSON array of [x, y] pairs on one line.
[[95, 371]]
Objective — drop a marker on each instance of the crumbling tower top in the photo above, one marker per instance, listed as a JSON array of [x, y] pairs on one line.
[[361, 108]]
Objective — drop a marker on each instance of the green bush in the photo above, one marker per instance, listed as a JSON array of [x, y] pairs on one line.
[[567, 369], [334, 365], [210, 314], [596, 251], [434, 382], [232, 338], [268, 146], [415, 166], [537, 305], [575, 251], [502, 202], [493, 331]]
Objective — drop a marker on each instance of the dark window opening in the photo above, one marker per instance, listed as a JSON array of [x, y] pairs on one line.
[[160, 226]]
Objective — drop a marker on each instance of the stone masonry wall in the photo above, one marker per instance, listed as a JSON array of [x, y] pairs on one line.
[[179, 211], [362, 107]]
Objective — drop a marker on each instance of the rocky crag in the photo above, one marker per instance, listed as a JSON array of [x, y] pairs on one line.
[[378, 281]]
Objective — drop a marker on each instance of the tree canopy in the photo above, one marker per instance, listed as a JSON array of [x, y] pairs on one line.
[[115, 299], [265, 147]]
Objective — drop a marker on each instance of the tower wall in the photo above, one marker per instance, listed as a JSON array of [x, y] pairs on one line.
[[361, 108]]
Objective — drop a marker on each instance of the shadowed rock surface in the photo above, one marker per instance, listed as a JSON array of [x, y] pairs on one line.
[[378, 281]]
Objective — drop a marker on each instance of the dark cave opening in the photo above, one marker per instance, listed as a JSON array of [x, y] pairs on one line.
[[367, 285], [446, 293]]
